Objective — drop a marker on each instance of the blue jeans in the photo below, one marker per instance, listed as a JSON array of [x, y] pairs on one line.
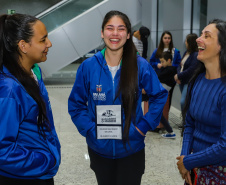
[[183, 90]]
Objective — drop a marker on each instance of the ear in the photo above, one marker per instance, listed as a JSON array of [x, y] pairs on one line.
[[23, 46], [102, 34], [128, 36]]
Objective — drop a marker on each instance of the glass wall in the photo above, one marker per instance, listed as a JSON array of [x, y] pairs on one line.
[[66, 12]]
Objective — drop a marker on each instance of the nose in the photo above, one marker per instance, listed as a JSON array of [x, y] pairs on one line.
[[115, 32], [198, 40], [49, 44]]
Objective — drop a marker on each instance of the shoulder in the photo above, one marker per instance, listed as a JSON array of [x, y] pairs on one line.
[[155, 50], [194, 54], [142, 61], [143, 65], [10, 87], [176, 50]]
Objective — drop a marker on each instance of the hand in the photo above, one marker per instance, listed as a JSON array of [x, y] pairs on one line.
[[175, 77], [188, 178], [180, 165], [139, 131], [178, 82], [143, 91], [159, 66]]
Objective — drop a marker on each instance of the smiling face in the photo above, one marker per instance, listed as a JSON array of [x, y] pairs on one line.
[[37, 48], [209, 48], [115, 34]]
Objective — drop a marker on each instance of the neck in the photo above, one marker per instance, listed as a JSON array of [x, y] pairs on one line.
[[212, 70], [137, 36], [113, 58], [166, 46]]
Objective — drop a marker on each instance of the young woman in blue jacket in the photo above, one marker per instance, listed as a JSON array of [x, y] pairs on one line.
[[105, 104], [29, 146], [166, 44], [187, 66], [204, 140]]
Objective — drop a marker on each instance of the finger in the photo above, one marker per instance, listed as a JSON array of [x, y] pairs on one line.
[[189, 180]]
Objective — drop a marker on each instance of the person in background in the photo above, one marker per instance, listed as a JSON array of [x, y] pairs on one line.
[[140, 39], [188, 65], [166, 77], [166, 44], [204, 138], [105, 104], [29, 146]]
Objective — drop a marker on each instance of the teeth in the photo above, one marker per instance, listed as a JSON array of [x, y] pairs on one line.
[[114, 40], [201, 48]]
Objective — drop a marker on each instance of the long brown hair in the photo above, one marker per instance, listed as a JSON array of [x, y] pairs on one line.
[[128, 85], [161, 45]]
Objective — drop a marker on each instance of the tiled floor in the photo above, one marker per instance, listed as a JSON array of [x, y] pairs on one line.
[[161, 153]]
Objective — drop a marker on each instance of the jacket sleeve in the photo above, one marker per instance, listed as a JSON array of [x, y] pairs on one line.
[[176, 58], [213, 154], [153, 60], [16, 159], [157, 99], [77, 103], [187, 73]]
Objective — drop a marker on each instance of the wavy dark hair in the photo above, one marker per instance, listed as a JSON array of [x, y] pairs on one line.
[[13, 29], [221, 27], [191, 41], [161, 44], [128, 85]]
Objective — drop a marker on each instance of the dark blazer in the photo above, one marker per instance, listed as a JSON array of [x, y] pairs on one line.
[[189, 67]]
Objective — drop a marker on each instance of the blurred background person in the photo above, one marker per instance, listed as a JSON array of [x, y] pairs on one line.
[[166, 44], [187, 66], [166, 77], [140, 40]]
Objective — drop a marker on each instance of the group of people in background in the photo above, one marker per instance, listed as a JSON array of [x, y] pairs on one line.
[[105, 102]]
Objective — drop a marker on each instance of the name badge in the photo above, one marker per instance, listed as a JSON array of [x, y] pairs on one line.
[[109, 121]]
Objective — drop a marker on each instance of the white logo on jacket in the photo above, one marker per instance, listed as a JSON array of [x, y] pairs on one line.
[[99, 96]]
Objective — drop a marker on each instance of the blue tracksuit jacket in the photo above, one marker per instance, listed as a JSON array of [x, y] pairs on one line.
[[155, 61], [84, 96], [24, 154]]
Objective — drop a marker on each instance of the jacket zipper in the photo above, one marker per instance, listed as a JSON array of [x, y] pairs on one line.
[[113, 80]]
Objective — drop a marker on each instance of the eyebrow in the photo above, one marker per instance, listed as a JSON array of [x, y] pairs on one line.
[[116, 26], [44, 36], [207, 32]]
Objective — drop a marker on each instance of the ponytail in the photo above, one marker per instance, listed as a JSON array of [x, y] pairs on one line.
[[14, 28]]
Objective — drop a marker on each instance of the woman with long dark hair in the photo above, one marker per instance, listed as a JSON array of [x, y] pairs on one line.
[[29, 146], [165, 44], [105, 104], [204, 138], [140, 39], [187, 66]]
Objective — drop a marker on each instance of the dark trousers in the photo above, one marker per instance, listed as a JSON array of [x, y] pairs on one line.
[[166, 124], [123, 171], [13, 181]]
